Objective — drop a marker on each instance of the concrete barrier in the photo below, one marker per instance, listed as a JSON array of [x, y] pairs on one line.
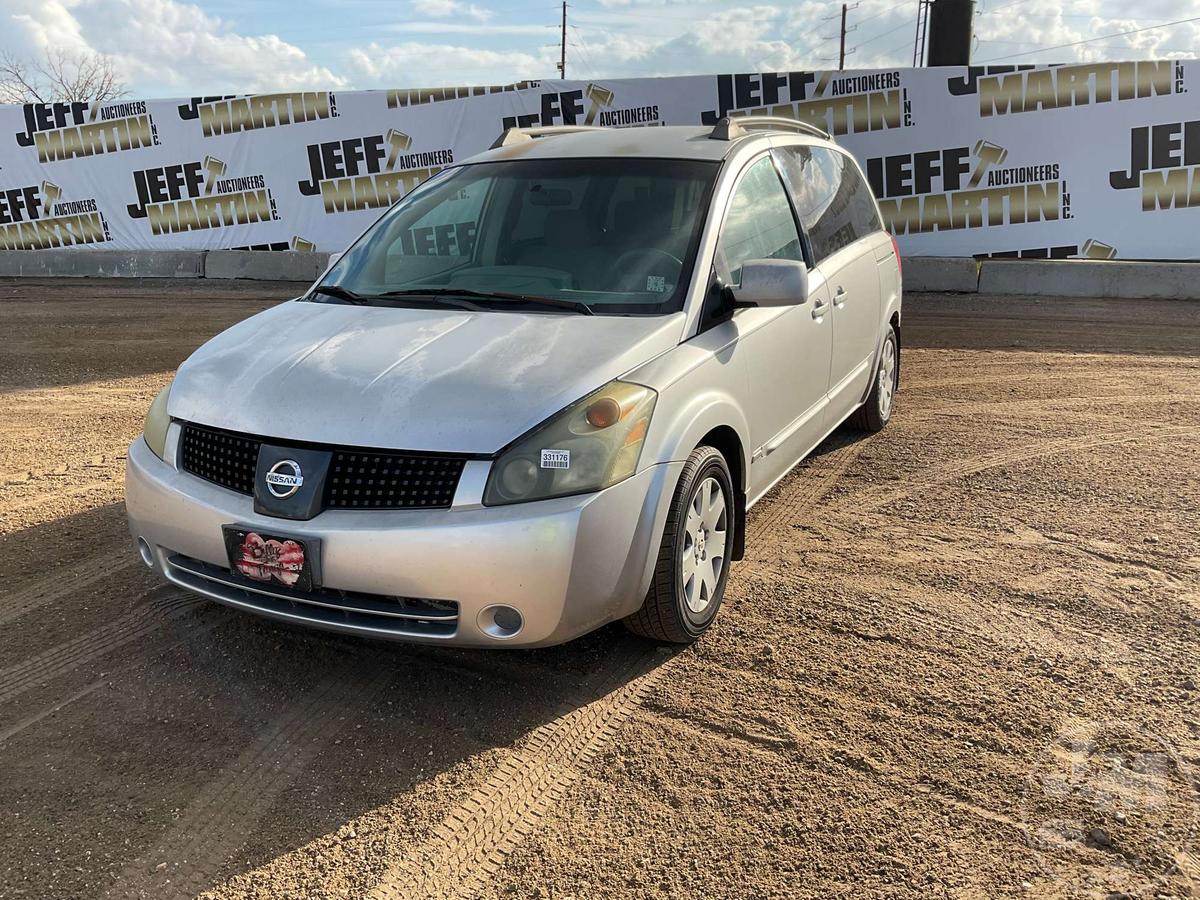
[[1091, 278], [1031, 277], [103, 263], [266, 265], [941, 274]]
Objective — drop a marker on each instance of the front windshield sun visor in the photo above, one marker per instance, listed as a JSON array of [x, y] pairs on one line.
[[605, 235]]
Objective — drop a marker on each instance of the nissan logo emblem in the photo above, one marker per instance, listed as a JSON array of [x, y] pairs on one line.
[[284, 478]]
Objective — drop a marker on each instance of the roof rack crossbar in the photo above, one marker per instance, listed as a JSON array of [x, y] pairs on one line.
[[732, 127], [521, 135]]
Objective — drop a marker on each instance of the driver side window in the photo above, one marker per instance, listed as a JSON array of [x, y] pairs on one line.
[[759, 224]]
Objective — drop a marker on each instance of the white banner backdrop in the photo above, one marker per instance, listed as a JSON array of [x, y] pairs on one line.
[[1099, 160]]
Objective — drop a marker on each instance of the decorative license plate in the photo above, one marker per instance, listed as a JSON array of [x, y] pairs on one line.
[[270, 557]]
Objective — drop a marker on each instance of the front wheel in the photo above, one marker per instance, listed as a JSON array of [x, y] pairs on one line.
[[877, 411], [693, 560]]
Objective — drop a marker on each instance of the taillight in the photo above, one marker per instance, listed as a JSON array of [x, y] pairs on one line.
[[896, 250]]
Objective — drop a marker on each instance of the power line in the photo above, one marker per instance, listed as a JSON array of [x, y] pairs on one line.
[[584, 51], [1097, 47], [1002, 6], [882, 34], [1102, 37], [882, 12]]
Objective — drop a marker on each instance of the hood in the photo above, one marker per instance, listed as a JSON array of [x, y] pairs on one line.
[[407, 379]]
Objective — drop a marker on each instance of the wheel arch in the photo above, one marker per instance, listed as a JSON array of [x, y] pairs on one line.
[[726, 440], [707, 416]]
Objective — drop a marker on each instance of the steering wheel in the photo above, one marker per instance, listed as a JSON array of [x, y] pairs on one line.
[[651, 252]]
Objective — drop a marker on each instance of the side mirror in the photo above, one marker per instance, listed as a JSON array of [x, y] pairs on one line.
[[333, 258], [772, 282]]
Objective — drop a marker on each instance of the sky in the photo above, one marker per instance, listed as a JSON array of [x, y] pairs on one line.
[[167, 48]]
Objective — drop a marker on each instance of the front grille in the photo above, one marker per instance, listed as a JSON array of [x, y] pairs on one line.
[[221, 457], [374, 614], [359, 480]]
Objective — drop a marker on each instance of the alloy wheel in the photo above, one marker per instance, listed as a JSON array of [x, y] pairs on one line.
[[702, 558]]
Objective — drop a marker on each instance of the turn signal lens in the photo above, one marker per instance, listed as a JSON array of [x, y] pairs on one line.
[[603, 413]]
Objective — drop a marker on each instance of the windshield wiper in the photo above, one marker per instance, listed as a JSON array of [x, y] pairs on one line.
[[532, 299], [341, 293]]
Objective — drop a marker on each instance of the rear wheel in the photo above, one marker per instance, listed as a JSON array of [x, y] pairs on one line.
[[877, 411], [693, 560]]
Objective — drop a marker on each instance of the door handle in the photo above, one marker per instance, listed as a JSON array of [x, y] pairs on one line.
[[839, 297], [819, 308]]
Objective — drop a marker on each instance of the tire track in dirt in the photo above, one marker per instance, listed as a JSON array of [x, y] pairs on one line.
[[113, 489], [803, 487], [217, 821], [65, 582], [54, 707], [473, 840], [135, 624], [1047, 405], [872, 498]]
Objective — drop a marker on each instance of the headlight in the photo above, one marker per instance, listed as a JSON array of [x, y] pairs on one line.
[[590, 445], [157, 420]]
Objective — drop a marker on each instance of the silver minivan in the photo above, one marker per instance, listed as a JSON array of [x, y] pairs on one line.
[[537, 396]]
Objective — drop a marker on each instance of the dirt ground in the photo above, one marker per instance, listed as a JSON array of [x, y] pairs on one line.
[[960, 659]]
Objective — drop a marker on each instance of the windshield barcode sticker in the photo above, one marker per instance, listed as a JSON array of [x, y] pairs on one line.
[[556, 459], [656, 283]]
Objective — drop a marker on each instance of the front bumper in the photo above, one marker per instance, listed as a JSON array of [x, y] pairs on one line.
[[568, 565]]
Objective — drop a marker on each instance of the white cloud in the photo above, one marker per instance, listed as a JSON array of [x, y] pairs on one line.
[[1004, 34], [414, 64], [175, 47], [465, 28], [445, 9]]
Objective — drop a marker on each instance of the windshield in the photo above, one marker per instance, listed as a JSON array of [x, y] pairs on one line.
[[616, 234]]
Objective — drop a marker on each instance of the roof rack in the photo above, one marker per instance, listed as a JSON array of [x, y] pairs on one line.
[[732, 127], [521, 135]]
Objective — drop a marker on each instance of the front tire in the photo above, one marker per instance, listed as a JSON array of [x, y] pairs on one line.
[[693, 560], [877, 411]]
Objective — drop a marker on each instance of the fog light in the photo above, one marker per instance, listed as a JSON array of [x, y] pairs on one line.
[[500, 622], [145, 553]]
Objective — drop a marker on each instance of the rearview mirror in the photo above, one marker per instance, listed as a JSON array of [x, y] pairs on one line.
[[772, 282]]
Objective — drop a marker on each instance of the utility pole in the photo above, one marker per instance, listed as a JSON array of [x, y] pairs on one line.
[[841, 38], [842, 51], [919, 37], [562, 59]]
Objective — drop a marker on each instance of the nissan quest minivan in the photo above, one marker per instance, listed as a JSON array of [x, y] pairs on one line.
[[537, 396]]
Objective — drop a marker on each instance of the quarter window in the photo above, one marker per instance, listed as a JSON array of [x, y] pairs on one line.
[[832, 199], [759, 224]]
